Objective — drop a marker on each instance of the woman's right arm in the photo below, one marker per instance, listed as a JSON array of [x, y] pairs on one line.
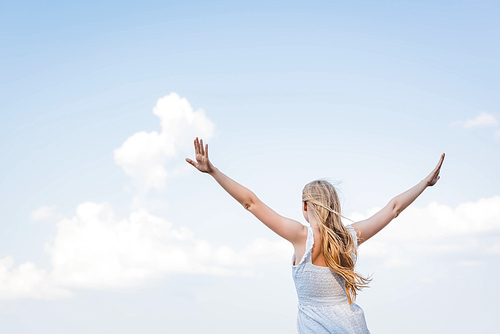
[[287, 228], [367, 228]]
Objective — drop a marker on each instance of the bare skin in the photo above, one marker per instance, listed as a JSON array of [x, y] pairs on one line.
[[294, 231]]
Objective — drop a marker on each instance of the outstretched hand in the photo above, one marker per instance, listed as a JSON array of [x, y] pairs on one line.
[[434, 175], [202, 162]]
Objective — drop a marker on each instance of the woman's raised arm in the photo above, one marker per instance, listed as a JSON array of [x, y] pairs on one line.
[[367, 228], [287, 228]]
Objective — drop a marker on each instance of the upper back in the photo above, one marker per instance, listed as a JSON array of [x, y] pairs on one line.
[[317, 251]]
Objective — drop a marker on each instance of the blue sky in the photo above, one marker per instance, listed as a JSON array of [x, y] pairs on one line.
[[365, 94]]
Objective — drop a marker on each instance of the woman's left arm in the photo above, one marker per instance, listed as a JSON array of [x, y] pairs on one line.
[[287, 228]]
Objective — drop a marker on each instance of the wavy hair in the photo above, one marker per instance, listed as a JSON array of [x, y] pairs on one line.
[[337, 243]]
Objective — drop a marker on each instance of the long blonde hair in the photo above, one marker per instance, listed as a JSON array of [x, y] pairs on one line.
[[338, 244]]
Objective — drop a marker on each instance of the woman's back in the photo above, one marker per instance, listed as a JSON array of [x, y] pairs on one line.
[[323, 304]]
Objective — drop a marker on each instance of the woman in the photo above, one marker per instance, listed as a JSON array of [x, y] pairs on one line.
[[324, 277]]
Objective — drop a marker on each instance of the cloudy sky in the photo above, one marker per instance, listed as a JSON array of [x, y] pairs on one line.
[[105, 228]]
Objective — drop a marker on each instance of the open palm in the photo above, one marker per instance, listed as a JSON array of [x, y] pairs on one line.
[[202, 162]]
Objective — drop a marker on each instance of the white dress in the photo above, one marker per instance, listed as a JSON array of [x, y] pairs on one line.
[[323, 305]]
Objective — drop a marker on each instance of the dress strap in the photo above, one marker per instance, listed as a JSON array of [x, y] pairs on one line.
[[355, 236], [309, 245]]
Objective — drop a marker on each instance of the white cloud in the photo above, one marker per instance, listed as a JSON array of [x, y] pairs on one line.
[[145, 154], [439, 220], [95, 249], [44, 213], [26, 281], [480, 121], [435, 230]]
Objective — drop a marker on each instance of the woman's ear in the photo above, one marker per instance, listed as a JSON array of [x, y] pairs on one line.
[[305, 206]]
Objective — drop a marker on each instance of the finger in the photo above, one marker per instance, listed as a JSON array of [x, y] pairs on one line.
[[191, 162], [201, 147], [197, 146], [206, 150], [440, 162]]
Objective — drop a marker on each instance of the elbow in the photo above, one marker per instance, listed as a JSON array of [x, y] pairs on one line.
[[396, 208], [249, 202]]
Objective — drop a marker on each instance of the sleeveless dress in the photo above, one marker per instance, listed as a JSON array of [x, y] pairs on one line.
[[323, 306]]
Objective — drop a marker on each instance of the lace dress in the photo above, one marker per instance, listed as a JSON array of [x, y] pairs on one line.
[[323, 305]]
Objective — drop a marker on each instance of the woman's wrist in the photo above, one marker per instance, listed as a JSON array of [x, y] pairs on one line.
[[211, 170]]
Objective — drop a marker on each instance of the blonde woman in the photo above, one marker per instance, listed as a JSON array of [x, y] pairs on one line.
[[326, 249]]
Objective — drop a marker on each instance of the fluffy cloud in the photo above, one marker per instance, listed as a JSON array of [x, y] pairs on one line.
[[26, 281], [433, 230], [144, 155], [480, 121], [438, 220], [95, 249]]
